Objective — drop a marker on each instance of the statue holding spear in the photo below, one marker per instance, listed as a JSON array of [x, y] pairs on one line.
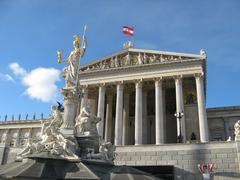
[[70, 73], [71, 90]]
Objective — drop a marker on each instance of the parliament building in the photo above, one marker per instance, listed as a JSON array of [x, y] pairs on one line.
[[152, 106]]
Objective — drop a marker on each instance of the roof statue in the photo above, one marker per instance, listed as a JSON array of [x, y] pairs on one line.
[[203, 52]]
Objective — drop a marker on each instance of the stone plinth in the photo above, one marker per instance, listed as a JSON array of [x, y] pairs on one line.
[[88, 144], [71, 99]]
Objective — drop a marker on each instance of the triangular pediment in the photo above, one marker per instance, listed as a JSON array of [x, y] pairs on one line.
[[135, 57]]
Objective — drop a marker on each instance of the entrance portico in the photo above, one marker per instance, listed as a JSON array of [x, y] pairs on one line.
[[141, 90]]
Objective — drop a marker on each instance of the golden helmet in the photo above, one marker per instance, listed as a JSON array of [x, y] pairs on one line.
[[77, 38]]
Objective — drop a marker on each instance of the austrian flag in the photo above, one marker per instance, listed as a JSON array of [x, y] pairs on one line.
[[128, 30]]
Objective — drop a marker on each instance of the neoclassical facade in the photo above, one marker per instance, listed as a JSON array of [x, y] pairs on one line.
[[152, 107], [136, 93]]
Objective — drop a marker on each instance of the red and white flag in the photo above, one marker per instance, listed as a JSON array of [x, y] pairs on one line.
[[128, 30]]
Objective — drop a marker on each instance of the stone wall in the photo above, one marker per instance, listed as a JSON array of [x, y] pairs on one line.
[[184, 158], [2, 153]]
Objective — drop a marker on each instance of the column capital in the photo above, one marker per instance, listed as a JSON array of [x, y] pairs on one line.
[[119, 82], [158, 81], [199, 75], [102, 85], [178, 79], [138, 83], [84, 86], [158, 78], [119, 86]]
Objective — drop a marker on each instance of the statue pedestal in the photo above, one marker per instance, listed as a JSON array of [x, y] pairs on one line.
[[237, 138], [67, 132], [71, 98], [88, 144]]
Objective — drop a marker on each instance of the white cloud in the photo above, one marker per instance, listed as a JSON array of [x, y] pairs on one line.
[[6, 77], [40, 82], [17, 69]]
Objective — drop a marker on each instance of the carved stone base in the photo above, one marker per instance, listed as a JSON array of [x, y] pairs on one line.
[[88, 144], [71, 98], [237, 138], [67, 132]]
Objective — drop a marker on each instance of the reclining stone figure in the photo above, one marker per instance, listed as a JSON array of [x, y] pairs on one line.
[[106, 152], [51, 141]]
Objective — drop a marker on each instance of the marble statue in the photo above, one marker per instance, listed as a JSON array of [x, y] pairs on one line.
[[202, 52], [55, 120], [127, 59], [237, 130], [51, 139], [86, 122], [115, 61], [106, 152], [70, 73], [140, 59], [4, 138]]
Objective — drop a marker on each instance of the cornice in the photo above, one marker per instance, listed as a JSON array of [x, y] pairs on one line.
[[135, 50], [139, 66]]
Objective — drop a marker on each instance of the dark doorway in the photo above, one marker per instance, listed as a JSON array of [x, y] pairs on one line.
[[162, 172]]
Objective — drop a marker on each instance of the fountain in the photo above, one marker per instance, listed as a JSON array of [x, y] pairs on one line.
[[69, 146]]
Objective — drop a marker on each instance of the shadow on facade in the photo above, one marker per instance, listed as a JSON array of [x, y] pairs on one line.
[[181, 174], [227, 175], [162, 172]]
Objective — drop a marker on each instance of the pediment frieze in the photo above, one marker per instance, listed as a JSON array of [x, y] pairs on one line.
[[135, 58]]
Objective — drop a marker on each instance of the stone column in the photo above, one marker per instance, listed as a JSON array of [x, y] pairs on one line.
[[84, 100], [159, 116], [30, 131], [17, 142], [180, 107], [144, 104], [119, 115], [164, 115], [138, 114], [226, 129], [71, 99], [108, 125], [101, 107], [203, 124], [126, 119]]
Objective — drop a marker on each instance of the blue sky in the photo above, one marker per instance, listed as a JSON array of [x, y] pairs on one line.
[[32, 31]]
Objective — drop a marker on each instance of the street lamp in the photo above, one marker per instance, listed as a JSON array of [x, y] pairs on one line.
[[179, 116]]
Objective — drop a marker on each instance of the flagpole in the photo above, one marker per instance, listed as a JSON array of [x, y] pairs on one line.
[[82, 44], [132, 37]]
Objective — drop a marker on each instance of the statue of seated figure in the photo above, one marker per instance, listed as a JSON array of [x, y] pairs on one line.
[[86, 122], [51, 140]]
